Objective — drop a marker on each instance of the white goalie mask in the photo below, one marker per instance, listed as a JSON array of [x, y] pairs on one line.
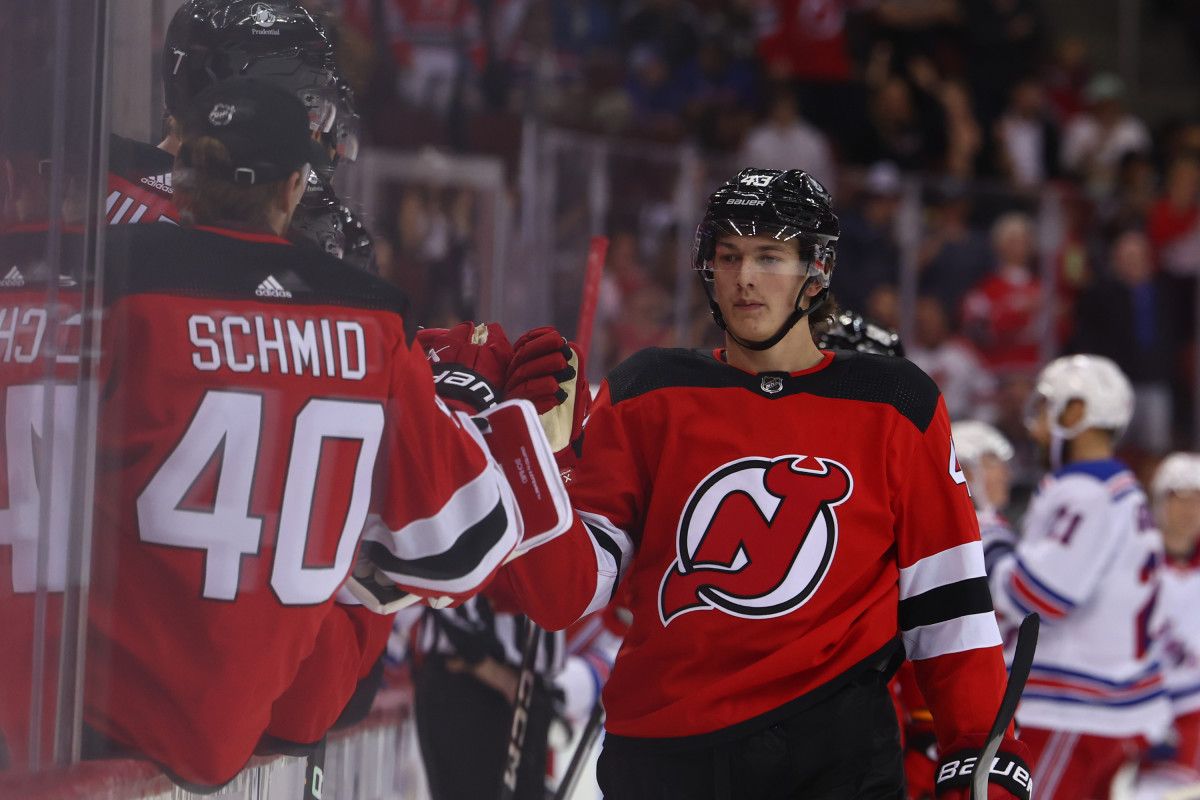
[[1096, 381]]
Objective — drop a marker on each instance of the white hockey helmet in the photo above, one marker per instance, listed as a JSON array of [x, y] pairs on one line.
[[1105, 391], [1178, 472], [974, 439]]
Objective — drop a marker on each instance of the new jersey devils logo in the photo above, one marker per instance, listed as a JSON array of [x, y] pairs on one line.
[[756, 538]]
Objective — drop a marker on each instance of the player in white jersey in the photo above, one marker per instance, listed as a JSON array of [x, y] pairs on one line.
[[1089, 561], [1176, 493], [983, 453]]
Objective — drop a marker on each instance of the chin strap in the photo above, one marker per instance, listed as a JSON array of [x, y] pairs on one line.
[[766, 344]]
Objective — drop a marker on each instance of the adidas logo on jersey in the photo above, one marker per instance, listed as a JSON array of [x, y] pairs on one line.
[[13, 278], [160, 182], [271, 288]]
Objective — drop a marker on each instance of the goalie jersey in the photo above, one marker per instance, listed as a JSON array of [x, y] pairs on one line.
[[775, 535], [261, 408], [1089, 562]]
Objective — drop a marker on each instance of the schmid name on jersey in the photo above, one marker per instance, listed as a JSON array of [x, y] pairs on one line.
[[286, 346], [23, 333]]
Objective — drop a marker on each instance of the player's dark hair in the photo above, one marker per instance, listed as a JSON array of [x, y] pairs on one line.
[[204, 198], [821, 322]]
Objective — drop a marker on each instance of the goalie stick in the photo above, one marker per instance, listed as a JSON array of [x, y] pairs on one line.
[[314, 772], [520, 716], [1027, 636]]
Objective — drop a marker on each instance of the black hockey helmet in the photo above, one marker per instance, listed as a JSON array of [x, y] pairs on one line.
[[317, 221], [360, 247], [274, 40], [852, 331], [789, 205], [322, 220]]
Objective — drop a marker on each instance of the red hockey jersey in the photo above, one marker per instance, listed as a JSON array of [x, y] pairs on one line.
[[39, 357], [261, 409], [139, 183], [776, 533]]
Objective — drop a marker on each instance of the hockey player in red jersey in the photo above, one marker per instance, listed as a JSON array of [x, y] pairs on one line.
[[1089, 562], [262, 411], [209, 40], [789, 522]]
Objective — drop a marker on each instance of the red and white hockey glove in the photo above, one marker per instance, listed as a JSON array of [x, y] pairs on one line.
[[547, 370], [469, 363], [1009, 779], [514, 439]]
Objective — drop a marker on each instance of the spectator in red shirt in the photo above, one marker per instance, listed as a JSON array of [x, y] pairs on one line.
[[1003, 313]]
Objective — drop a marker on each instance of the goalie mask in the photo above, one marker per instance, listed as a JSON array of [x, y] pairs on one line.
[[790, 206]]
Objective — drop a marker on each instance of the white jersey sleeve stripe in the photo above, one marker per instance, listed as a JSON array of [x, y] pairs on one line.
[[436, 534], [614, 549], [952, 636], [454, 550], [949, 566]]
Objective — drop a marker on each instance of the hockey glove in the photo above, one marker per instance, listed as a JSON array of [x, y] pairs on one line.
[[1009, 779], [920, 764], [513, 439], [469, 363], [547, 370]]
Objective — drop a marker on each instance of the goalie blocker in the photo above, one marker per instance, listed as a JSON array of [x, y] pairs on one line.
[[511, 435]]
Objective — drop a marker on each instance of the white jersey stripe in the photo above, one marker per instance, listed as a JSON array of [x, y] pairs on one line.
[[949, 566], [116, 218], [436, 534], [952, 636], [608, 570]]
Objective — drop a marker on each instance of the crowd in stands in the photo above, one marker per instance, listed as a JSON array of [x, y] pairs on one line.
[[987, 106]]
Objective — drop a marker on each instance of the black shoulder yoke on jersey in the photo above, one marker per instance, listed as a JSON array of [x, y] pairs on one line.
[[172, 259], [132, 159], [865, 377], [24, 258]]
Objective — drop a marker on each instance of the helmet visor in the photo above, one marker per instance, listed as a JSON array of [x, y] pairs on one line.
[[315, 85], [729, 246], [347, 132]]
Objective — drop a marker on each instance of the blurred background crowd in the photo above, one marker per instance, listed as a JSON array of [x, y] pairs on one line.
[[1009, 187]]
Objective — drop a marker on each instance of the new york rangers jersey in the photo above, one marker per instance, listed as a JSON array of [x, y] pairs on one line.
[[776, 534], [1181, 658], [1089, 562], [1181, 638]]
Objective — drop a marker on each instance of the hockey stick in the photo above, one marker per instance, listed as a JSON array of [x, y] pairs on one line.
[[314, 772], [597, 252], [520, 716], [1027, 636], [587, 738]]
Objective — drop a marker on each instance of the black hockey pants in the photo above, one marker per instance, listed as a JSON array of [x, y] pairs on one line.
[[846, 747]]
